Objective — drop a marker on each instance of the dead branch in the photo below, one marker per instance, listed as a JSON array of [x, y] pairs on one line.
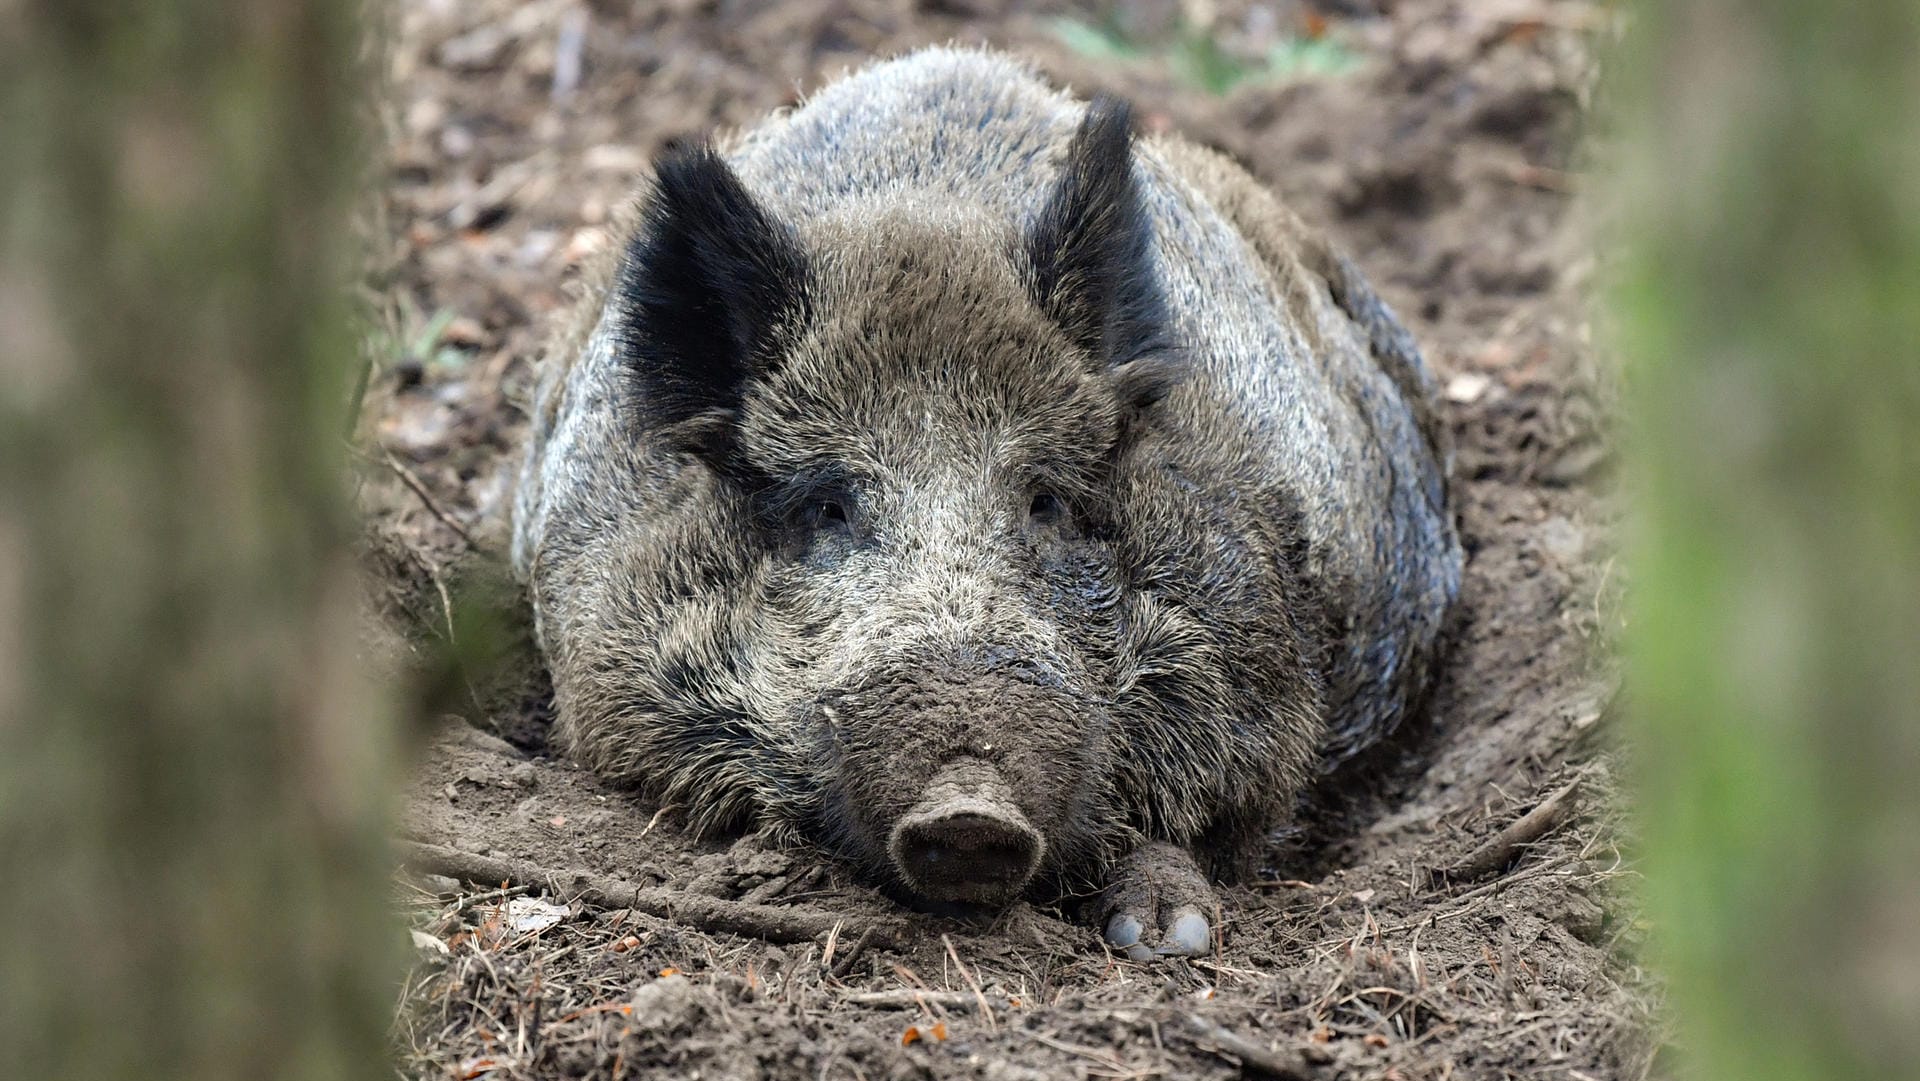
[[774, 924], [911, 998], [986, 1011], [845, 962], [420, 492], [1501, 849], [1253, 1057]]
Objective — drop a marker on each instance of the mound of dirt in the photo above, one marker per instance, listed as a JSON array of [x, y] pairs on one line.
[[1410, 926]]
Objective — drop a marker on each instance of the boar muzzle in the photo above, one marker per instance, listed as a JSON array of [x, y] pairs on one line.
[[967, 840]]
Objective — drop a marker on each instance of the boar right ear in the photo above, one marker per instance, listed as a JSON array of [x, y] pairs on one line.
[[707, 284]]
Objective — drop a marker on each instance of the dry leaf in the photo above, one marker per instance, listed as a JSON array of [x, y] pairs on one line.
[[424, 941], [527, 915]]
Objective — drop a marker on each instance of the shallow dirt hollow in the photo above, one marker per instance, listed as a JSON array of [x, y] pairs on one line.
[[1437, 145]]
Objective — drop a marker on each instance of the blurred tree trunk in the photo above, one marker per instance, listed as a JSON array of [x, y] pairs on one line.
[[192, 772], [1770, 314]]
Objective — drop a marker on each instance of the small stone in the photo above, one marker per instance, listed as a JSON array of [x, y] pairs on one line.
[[1467, 387], [476, 50], [1561, 539], [667, 1004]]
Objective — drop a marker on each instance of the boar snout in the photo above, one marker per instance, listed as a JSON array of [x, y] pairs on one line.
[[966, 840]]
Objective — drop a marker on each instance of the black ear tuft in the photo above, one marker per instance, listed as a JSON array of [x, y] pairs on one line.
[[708, 282], [1091, 254]]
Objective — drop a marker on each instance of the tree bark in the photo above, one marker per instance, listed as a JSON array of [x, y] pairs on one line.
[[1769, 309], [193, 773]]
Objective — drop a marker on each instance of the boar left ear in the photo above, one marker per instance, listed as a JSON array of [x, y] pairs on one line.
[[706, 285], [1091, 248]]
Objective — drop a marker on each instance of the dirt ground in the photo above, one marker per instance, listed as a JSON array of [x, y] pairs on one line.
[[1437, 140]]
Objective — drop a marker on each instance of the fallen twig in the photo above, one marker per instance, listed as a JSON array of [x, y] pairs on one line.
[[844, 963], [1496, 886], [910, 998], [420, 492], [475, 899], [774, 924], [1542, 177], [1253, 1057], [986, 1011], [1501, 849], [1099, 1056]]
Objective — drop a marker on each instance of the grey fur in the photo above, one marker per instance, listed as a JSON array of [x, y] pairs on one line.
[[1250, 584]]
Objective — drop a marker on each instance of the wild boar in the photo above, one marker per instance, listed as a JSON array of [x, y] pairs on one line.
[[944, 476]]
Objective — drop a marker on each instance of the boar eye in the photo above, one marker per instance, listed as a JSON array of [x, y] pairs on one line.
[[1046, 509], [824, 515]]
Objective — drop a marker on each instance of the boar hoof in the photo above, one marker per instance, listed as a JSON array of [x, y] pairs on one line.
[[1157, 905]]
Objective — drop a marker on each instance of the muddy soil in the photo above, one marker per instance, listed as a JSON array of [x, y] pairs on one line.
[[1438, 142]]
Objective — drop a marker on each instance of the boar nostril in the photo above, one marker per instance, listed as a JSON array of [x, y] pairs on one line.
[[966, 844], [968, 853]]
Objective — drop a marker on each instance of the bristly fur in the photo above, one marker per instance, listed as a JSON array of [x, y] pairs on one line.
[[707, 284], [875, 460]]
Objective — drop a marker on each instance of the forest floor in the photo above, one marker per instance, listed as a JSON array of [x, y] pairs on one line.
[[1437, 140]]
